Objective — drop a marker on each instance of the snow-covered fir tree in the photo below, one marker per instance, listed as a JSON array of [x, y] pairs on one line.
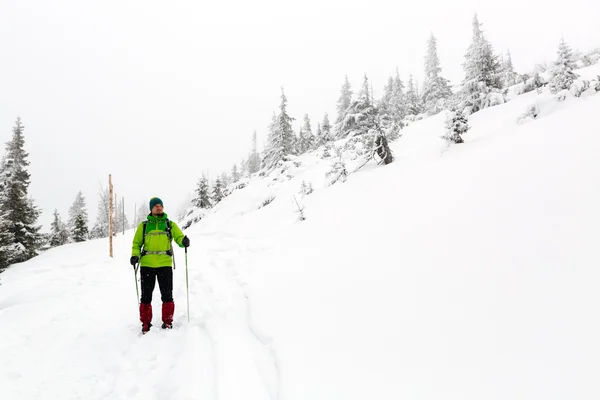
[[78, 219], [122, 221], [343, 104], [398, 101], [482, 72], [59, 232], [306, 140], [326, 133], [243, 167], [456, 126], [561, 73], [361, 113], [102, 225], [436, 89], [142, 213], [413, 102], [217, 191], [254, 156], [235, 175], [281, 136], [19, 213], [7, 242], [202, 199], [338, 171], [509, 76]]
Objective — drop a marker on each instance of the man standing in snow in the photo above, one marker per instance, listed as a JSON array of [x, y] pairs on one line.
[[153, 250]]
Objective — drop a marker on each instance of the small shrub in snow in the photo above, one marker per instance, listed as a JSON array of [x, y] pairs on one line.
[[267, 201], [562, 95], [337, 172], [532, 112], [579, 86], [493, 99], [300, 211], [327, 151], [456, 126], [306, 188]]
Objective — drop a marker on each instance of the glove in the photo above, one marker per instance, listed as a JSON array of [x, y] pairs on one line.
[[186, 241], [134, 260]]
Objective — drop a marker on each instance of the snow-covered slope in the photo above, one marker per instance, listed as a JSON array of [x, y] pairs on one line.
[[461, 272]]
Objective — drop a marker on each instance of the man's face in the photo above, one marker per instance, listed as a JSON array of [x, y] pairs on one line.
[[157, 209]]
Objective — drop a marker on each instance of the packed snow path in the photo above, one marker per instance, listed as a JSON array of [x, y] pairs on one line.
[[74, 331]]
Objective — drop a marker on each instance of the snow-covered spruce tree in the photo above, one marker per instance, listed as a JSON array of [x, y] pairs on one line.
[[436, 89], [561, 73], [202, 199], [122, 221], [235, 175], [456, 126], [59, 233], [306, 140], [281, 136], [253, 157], [337, 172], [78, 219], [217, 192], [326, 134], [482, 72], [142, 213], [8, 247], [359, 118], [509, 76], [101, 226], [343, 104], [19, 213], [413, 102], [398, 106]]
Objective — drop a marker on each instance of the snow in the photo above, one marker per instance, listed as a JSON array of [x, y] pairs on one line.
[[457, 272]]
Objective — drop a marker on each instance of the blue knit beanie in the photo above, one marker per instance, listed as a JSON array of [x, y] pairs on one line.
[[154, 201]]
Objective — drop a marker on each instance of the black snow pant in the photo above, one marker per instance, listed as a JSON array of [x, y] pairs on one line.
[[165, 283]]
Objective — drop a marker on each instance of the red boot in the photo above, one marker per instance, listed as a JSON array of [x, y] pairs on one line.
[[167, 315], [146, 316]]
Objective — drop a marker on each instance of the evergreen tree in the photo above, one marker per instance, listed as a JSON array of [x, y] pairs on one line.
[[398, 102], [326, 129], [78, 219], [142, 213], [235, 175], [508, 71], [202, 199], [343, 104], [456, 126], [122, 222], [217, 193], [413, 102], [361, 114], [436, 89], [8, 247], [305, 138], [59, 233], [482, 71], [562, 75], [281, 136], [102, 225], [254, 157], [19, 213]]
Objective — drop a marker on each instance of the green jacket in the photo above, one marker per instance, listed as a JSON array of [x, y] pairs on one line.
[[156, 240]]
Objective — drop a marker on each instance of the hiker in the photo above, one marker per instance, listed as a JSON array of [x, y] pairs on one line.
[[153, 250]]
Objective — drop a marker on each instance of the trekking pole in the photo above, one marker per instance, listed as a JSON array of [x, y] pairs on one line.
[[137, 291], [187, 290]]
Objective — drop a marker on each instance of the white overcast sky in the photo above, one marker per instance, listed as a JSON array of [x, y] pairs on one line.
[[156, 92]]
